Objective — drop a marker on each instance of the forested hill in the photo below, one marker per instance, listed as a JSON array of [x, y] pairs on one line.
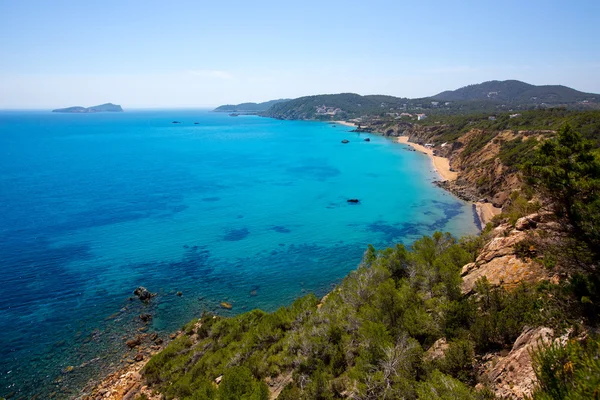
[[248, 107], [488, 97], [517, 92], [334, 105]]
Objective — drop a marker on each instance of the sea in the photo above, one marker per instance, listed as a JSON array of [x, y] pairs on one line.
[[246, 210]]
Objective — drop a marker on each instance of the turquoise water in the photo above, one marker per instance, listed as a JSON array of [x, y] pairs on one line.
[[244, 209]]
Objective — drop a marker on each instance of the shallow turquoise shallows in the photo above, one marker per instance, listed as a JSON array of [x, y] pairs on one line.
[[245, 210]]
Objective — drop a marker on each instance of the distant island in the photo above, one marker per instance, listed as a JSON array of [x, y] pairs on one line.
[[249, 107], [107, 107]]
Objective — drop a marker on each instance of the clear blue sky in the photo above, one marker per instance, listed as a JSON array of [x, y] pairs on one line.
[[196, 53]]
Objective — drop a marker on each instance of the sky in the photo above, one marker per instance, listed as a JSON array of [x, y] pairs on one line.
[[145, 54]]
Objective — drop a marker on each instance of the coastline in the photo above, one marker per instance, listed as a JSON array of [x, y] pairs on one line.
[[440, 164], [345, 123], [484, 211], [126, 381]]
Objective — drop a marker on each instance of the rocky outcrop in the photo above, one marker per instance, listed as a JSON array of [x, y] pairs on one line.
[[498, 260], [143, 294], [437, 351], [511, 376]]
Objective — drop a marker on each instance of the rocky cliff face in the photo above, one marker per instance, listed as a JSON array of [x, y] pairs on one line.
[[499, 260]]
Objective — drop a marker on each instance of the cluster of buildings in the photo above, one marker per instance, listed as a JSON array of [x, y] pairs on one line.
[[324, 110]]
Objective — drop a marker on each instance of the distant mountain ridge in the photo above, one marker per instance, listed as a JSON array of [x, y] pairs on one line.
[[107, 107], [487, 97], [513, 91], [249, 107]]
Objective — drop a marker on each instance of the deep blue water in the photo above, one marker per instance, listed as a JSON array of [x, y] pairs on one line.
[[242, 209]]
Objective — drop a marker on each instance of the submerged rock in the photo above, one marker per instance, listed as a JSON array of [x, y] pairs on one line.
[[146, 317], [226, 305], [367, 140], [345, 141], [353, 201]]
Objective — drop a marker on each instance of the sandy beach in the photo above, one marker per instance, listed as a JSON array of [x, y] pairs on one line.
[[486, 211], [353, 125], [441, 164]]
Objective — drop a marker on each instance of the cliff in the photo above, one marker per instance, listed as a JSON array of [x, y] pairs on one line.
[[107, 107]]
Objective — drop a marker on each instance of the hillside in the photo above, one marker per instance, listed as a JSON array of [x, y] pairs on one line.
[[489, 97], [248, 107], [107, 107], [517, 92]]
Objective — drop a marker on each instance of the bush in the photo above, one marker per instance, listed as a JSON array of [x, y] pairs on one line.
[[568, 372]]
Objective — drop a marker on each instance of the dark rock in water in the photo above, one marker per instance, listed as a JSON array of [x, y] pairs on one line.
[[179, 294], [175, 122], [367, 140], [146, 317], [196, 123], [143, 294], [345, 141], [354, 201]]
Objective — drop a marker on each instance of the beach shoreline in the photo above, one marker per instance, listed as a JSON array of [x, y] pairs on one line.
[[485, 211], [440, 164], [345, 123]]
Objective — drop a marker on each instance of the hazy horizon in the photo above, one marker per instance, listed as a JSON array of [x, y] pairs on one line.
[[190, 55]]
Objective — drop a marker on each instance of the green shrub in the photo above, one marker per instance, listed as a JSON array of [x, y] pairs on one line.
[[568, 372]]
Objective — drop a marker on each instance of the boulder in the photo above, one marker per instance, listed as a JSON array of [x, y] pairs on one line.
[[136, 341], [354, 201], [345, 141], [367, 140], [226, 305], [143, 294]]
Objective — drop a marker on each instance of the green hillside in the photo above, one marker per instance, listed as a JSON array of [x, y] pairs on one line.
[[248, 107], [517, 92]]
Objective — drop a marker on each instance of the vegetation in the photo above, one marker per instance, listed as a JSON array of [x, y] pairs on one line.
[[570, 371], [488, 97], [248, 107], [367, 338], [568, 174], [512, 91]]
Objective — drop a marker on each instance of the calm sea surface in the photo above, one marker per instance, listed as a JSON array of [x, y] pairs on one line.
[[244, 209]]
